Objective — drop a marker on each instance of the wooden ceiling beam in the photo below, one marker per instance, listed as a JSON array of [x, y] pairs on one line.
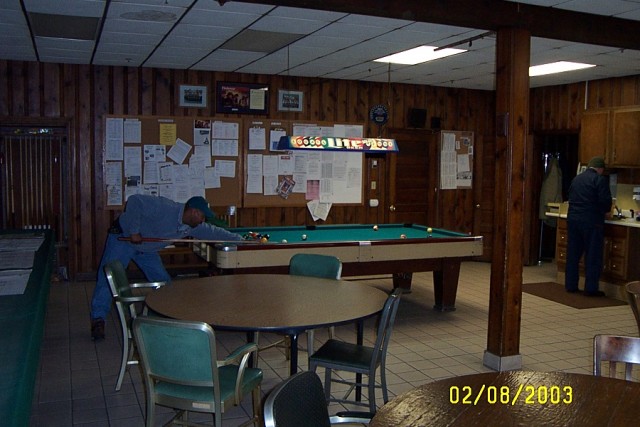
[[491, 15]]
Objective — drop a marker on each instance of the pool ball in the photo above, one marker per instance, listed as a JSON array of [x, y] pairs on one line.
[[429, 230], [403, 236], [304, 237], [264, 240], [375, 228], [284, 240]]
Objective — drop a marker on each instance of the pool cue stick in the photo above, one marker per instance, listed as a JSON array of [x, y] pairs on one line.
[[158, 239]]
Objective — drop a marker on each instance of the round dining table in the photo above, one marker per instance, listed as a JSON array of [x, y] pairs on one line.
[[280, 303], [516, 398]]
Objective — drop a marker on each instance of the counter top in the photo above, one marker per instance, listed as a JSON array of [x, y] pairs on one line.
[[625, 222]]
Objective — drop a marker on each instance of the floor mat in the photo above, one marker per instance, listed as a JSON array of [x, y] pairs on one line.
[[556, 293]]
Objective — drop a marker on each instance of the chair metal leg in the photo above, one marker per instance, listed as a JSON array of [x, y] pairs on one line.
[[372, 392], [327, 384], [125, 353]]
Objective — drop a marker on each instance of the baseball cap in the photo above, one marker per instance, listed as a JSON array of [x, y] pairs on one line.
[[202, 205], [596, 162]]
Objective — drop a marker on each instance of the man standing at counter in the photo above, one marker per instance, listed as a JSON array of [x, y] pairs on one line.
[[589, 204]]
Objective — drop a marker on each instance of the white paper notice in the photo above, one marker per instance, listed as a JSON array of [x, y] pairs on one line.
[[155, 153], [179, 151], [211, 178], [226, 168], [132, 161], [132, 131], [114, 139], [257, 138], [224, 147], [225, 130]]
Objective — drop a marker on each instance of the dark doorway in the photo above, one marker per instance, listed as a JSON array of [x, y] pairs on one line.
[[549, 148]]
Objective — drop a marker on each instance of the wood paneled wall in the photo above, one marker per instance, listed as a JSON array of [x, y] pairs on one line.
[[82, 95]]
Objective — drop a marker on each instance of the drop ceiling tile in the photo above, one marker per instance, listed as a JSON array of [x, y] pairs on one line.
[[130, 38], [299, 13], [374, 21], [118, 9], [125, 49], [287, 25], [220, 18], [607, 8], [201, 31], [179, 42], [126, 26], [233, 6], [66, 7], [350, 31]]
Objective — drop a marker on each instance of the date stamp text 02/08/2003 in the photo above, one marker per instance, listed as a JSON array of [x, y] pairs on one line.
[[502, 395]]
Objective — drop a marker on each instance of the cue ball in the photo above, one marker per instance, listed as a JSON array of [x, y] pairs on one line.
[[403, 236], [304, 237], [429, 230], [284, 240], [375, 228]]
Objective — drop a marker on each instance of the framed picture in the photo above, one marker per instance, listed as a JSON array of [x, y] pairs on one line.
[[193, 96], [242, 98], [290, 100]]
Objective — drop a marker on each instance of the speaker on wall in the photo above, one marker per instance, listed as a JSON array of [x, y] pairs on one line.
[[435, 123], [417, 117]]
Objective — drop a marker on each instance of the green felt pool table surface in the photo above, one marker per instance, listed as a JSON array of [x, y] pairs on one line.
[[343, 233]]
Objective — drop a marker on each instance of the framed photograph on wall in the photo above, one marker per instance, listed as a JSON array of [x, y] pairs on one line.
[[242, 98], [193, 96], [290, 100]]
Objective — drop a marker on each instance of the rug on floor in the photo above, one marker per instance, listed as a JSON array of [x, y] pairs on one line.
[[556, 293]]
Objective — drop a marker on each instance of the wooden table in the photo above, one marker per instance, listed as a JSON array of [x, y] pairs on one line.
[[268, 303], [545, 399]]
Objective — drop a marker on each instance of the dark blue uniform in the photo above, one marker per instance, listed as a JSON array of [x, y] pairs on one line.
[[589, 201]]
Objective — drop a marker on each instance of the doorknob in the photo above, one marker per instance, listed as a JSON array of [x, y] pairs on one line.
[[478, 206], [392, 208]]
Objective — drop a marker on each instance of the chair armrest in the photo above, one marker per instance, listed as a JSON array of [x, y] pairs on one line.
[[351, 417], [129, 300], [154, 285], [240, 356], [237, 356]]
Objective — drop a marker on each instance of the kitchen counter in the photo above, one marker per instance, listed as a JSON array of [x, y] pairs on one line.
[[625, 222]]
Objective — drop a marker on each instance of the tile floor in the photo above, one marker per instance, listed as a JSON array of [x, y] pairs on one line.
[[75, 386]]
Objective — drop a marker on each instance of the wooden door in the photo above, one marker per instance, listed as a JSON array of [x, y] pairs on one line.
[[483, 194], [412, 185]]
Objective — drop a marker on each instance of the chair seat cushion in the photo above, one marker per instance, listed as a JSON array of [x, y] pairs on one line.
[[336, 353], [204, 395]]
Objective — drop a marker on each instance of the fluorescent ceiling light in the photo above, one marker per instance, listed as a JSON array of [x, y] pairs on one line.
[[418, 55], [556, 67]]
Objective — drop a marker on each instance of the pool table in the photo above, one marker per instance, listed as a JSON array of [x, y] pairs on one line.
[[397, 249]]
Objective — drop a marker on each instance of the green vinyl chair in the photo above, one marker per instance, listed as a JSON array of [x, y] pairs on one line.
[[182, 371], [335, 355], [299, 401], [310, 265], [128, 307]]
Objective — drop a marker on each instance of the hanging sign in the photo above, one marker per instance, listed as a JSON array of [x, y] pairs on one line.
[[299, 142]]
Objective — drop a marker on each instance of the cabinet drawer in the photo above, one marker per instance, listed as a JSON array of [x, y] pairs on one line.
[[617, 267], [618, 247]]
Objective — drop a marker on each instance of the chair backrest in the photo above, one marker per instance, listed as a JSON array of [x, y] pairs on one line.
[[633, 295], [297, 401], [117, 278], [385, 327], [615, 349], [315, 265], [177, 351]]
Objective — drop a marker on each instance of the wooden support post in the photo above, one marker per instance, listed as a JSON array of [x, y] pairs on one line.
[[512, 115]]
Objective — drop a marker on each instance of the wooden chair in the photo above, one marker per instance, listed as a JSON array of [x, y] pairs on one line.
[[633, 295], [615, 349]]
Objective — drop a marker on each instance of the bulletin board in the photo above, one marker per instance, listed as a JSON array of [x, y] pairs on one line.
[[275, 178], [175, 157], [456, 159]]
